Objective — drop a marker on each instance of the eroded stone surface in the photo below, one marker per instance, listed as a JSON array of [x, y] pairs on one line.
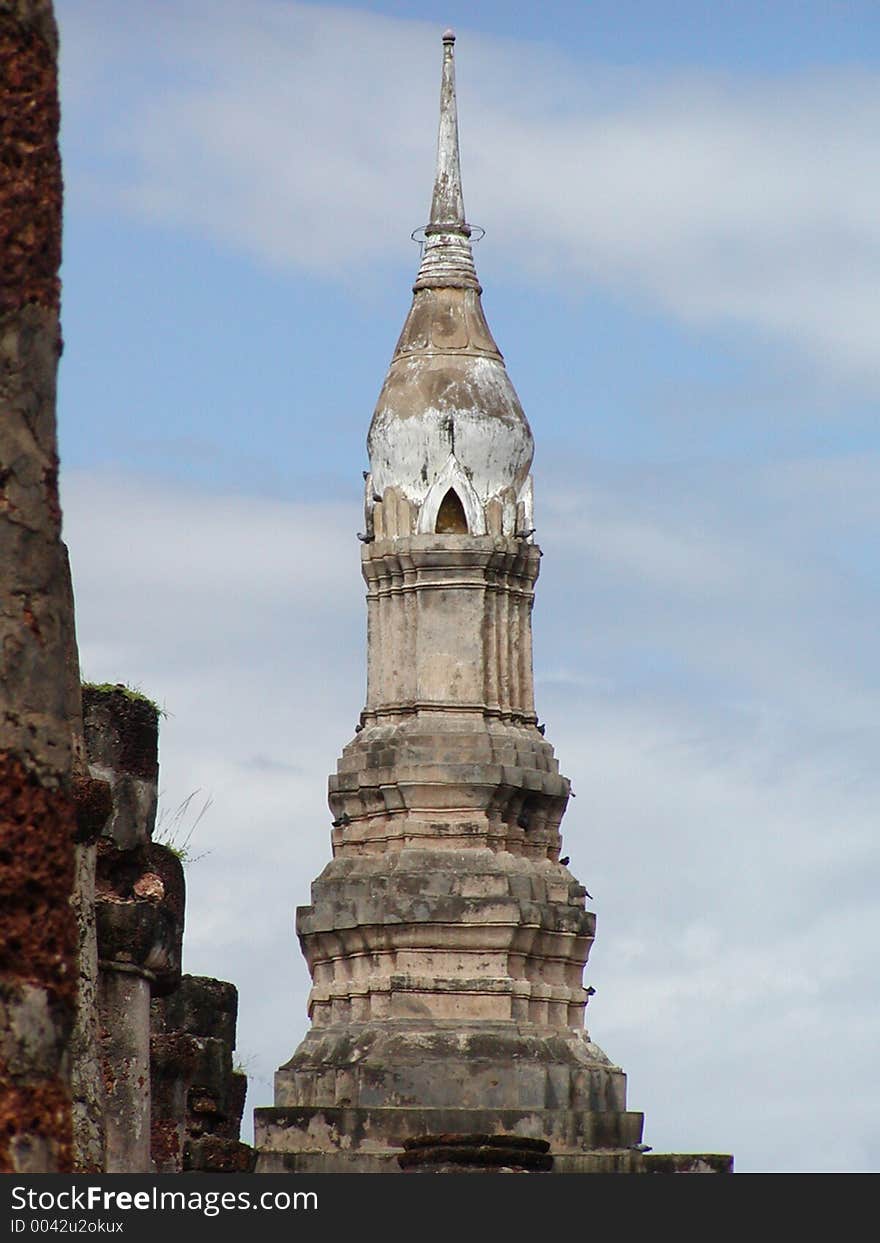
[[198, 1096], [121, 738], [139, 902]]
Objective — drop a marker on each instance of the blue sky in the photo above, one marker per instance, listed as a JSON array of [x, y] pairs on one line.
[[682, 254]]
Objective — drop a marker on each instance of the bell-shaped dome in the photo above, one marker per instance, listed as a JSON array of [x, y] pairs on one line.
[[447, 394]]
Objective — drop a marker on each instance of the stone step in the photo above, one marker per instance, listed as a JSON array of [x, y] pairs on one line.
[[602, 1161], [382, 1130]]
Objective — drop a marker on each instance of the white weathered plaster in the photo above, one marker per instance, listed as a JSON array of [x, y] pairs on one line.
[[452, 476]]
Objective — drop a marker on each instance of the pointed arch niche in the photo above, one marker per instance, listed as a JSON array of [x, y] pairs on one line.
[[452, 500], [451, 518]]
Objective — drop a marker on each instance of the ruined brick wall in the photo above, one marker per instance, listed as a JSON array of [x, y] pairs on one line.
[[37, 809], [138, 907], [198, 1095]]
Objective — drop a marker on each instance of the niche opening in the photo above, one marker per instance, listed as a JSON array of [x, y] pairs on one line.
[[451, 519]]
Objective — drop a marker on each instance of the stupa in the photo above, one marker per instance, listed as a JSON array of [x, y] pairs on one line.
[[445, 940]]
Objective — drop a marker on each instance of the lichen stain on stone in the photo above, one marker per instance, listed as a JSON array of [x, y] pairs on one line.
[[149, 887]]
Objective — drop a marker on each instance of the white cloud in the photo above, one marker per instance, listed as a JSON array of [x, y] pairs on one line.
[[303, 135]]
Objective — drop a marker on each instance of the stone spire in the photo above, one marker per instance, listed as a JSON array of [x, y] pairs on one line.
[[447, 258], [446, 940], [447, 204]]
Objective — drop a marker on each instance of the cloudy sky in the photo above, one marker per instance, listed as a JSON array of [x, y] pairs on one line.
[[681, 264]]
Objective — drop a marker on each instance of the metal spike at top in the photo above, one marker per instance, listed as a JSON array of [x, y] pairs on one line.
[[447, 259]]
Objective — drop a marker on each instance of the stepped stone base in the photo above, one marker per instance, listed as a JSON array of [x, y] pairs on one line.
[[300, 1134], [353, 1096], [309, 1140]]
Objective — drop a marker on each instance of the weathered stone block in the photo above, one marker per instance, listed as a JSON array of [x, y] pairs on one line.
[[122, 740], [200, 1006], [197, 1097]]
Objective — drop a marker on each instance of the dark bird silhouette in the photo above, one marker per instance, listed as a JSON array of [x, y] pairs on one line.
[[565, 860], [590, 991]]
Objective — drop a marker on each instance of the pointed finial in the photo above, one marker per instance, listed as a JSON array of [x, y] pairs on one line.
[[447, 204], [447, 258]]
